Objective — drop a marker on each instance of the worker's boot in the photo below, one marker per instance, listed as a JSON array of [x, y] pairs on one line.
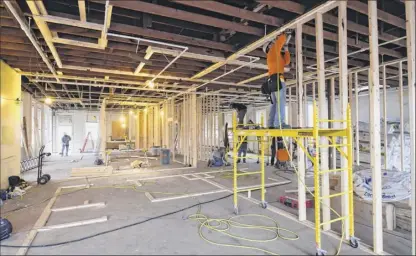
[[244, 160], [238, 161]]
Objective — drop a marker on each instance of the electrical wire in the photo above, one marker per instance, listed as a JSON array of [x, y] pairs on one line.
[[115, 229], [224, 227]]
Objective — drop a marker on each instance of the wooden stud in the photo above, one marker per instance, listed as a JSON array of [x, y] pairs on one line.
[[401, 102], [323, 114], [411, 61], [193, 133], [76, 207], [343, 84], [357, 121], [385, 115], [334, 150], [39, 223], [301, 107], [82, 12], [375, 128]]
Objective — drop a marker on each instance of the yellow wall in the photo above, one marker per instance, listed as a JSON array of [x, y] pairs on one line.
[[10, 123]]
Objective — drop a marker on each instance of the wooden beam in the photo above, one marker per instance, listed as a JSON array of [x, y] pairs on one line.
[[37, 8], [82, 12], [309, 30], [375, 129], [161, 35], [76, 43], [355, 27], [330, 19], [382, 15], [290, 6], [233, 11], [107, 21], [69, 22], [187, 16]]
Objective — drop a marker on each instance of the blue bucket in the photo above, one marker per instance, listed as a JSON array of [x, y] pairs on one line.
[[165, 156]]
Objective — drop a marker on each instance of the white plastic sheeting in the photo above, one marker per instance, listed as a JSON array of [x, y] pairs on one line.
[[394, 153], [396, 185]]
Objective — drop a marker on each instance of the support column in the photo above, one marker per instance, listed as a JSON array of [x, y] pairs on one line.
[[136, 118], [401, 117], [385, 115], [375, 128], [103, 129], [323, 114], [194, 130], [343, 84], [156, 126], [411, 51], [145, 128], [357, 122], [301, 107], [333, 109]]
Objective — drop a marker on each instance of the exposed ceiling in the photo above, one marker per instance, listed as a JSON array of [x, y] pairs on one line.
[[91, 63]]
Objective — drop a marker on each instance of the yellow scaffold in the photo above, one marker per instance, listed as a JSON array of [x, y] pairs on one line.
[[315, 133]]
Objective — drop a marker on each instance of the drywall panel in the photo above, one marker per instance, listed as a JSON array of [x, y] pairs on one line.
[[10, 123]]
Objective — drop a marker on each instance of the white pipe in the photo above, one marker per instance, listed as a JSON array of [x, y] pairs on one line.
[[185, 48], [28, 33], [361, 50], [194, 88]]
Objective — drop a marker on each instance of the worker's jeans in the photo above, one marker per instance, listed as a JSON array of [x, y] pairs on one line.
[[275, 108], [240, 115], [243, 151], [66, 148]]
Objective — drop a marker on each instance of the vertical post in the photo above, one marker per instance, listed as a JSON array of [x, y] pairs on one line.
[[323, 115], [375, 128], [235, 152], [194, 130], [343, 84], [314, 85], [385, 115], [145, 134], [103, 129], [350, 79], [137, 119], [290, 107], [357, 121], [305, 104], [401, 116], [334, 150], [301, 106], [411, 51]]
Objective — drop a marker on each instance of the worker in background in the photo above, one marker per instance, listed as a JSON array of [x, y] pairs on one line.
[[241, 112], [242, 151], [65, 144], [278, 57]]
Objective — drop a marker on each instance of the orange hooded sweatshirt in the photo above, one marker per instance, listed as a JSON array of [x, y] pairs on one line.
[[276, 61]]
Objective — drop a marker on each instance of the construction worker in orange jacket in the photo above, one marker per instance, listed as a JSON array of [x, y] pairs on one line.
[[278, 57]]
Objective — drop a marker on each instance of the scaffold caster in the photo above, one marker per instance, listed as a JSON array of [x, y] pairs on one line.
[[236, 210], [354, 242], [263, 205], [320, 252]]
